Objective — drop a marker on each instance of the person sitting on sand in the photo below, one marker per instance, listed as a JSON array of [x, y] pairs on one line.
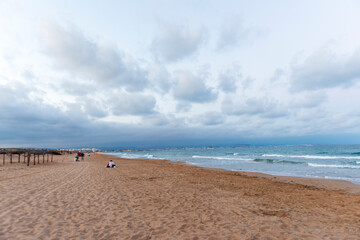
[[76, 158], [111, 164]]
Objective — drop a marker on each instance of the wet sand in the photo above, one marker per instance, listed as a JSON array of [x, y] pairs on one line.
[[154, 199]]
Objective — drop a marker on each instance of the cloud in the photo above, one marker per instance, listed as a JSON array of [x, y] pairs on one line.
[[233, 33], [254, 107], [309, 100], [324, 70], [93, 107], [76, 87], [177, 42], [156, 119], [191, 88], [73, 52], [183, 107], [160, 79], [132, 104], [277, 75], [211, 118], [28, 120], [229, 78], [32, 123]]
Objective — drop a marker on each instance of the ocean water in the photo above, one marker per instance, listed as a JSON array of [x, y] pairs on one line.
[[313, 161]]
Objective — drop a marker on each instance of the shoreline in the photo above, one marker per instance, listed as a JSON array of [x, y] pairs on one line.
[[321, 183]]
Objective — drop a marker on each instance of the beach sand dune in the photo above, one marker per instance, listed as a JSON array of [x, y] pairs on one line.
[[151, 199]]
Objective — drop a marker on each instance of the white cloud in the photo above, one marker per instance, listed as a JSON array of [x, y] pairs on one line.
[[191, 88], [183, 107], [309, 100], [233, 33], [93, 107], [277, 75], [156, 120], [132, 104], [228, 79], [160, 79], [103, 80], [72, 52], [324, 69], [176, 42], [263, 107], [212, 118]]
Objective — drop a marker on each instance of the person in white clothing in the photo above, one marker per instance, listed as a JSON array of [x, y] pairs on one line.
[[111, 164]]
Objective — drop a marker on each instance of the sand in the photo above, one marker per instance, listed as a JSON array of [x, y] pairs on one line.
[[153, 199]]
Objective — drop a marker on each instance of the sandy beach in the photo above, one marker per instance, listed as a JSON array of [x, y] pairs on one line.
[[157, 199]]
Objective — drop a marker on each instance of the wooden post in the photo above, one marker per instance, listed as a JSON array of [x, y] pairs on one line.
[[43, 158], [4, 159], [28, 159], [34, 158], [11, 158], [38, 158], [19, 158]]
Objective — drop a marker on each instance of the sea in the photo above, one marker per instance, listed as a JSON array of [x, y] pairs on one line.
[[311, 161]]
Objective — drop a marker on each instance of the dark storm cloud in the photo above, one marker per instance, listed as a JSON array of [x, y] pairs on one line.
[[72, 52], [191, 88], [30, 123], [16, 106], [26, 120], [176, 42], [325, 70]]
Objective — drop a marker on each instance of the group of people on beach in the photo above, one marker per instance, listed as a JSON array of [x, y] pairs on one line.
[[79, 155]]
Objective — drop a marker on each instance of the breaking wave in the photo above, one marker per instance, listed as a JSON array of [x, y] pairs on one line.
[[223, 158], [332, 165], [309, 156], [276, 161]]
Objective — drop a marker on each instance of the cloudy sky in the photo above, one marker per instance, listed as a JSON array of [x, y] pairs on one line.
[[176, 73]]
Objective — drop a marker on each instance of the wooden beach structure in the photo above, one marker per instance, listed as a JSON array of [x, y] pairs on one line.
[[29, 156]]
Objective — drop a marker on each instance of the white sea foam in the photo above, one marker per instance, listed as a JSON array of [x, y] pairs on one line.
[[134, 156], [273, 155], [191, 163], [332, 165], [340, 178], [310, 156], [357, 162], [223, 158]]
